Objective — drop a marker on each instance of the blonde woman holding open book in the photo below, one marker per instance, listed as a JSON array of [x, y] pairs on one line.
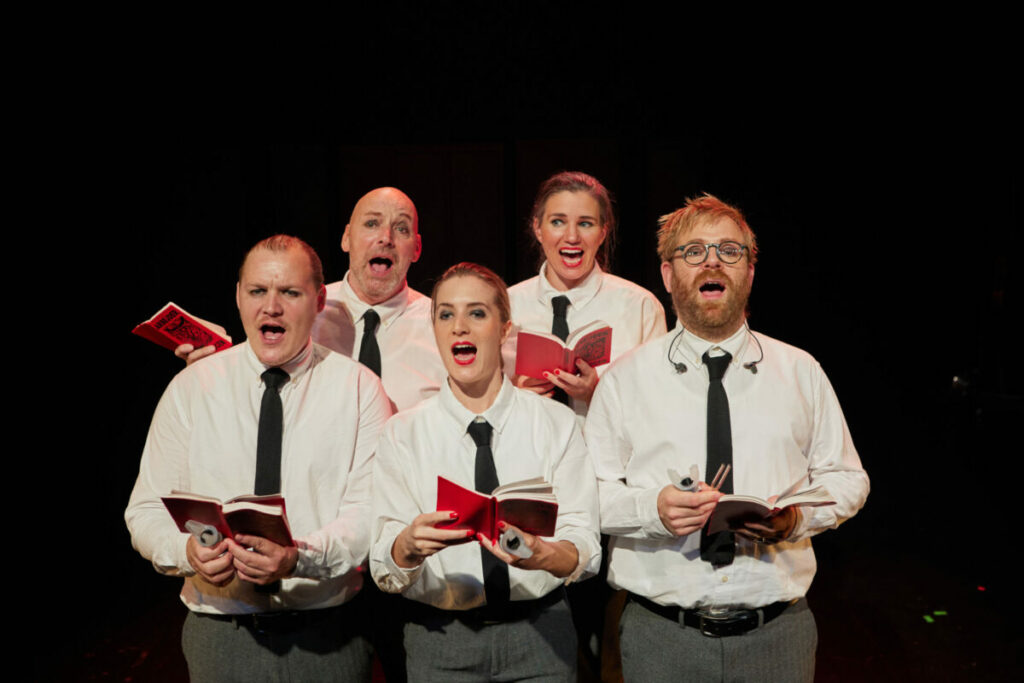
[[477, 609]]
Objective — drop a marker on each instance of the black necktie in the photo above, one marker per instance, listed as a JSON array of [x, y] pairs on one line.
[[496, 586], [268, 438], [369, 352], [718, 549], [560, 328]]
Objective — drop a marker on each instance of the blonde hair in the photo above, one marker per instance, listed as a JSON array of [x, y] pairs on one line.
[[466, 269], [279, 243]]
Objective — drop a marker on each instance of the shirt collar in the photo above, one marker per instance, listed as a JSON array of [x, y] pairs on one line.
[[578, 296], [388, 310], [295, 368], [497, 414], [691, 348]]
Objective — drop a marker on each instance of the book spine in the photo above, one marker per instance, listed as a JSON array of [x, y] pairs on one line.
[[492, 519]]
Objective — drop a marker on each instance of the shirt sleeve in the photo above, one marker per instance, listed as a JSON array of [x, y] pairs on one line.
[[653, 319], [832, 462], [578, 512], [164, 467], [342, 545], [625, 510], [394, 507]]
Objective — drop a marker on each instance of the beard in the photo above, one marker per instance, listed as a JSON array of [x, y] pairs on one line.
[[712, 320]]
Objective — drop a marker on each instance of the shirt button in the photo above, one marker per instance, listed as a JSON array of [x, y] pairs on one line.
[[725, 579]]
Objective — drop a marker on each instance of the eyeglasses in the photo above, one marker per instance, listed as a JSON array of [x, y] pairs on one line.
[[696, 253]]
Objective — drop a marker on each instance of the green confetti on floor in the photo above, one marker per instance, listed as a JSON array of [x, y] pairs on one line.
[[929, 619], [939, 612]]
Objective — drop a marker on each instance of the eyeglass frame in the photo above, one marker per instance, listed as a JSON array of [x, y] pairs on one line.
[[707, 250]]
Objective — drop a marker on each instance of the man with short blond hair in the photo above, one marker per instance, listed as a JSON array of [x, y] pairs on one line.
[[726, 606], [259, 610]]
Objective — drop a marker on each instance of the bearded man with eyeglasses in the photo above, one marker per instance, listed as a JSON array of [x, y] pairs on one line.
[[712, 393]]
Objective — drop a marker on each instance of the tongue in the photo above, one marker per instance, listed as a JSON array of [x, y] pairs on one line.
[[380, 267]]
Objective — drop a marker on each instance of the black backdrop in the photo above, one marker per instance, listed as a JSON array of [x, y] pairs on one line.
[[887, 214]]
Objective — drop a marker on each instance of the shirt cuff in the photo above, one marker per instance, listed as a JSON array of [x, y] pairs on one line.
[[813, 520], [307, 566], [647, 511], [588, 557], [396, 579]]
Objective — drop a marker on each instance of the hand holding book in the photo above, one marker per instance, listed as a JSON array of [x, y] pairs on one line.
[[172, 327], [421, 539], [776, 527], [580, 386]]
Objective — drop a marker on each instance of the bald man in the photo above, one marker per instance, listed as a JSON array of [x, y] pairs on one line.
[[372, 314], [382, 240]]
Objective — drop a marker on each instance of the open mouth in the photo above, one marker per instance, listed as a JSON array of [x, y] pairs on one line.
[[712, 289], [571, 256], [271, 333], [463, 352], [380, 265]]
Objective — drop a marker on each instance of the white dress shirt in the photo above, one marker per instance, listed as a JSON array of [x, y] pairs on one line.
[[634, 314], [532, 437], [410, 364], [647, 417], [203, 440]]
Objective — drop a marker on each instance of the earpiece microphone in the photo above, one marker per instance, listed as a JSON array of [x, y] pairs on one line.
[[680, 367], [752, 365]]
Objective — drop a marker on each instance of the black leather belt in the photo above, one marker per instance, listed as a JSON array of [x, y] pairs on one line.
[[736, 622], [514, 610], [285, 621]]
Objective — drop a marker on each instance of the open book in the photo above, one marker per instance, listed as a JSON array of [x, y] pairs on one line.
[[733, 510], [252, 515], [537, 352], [171, 326], [529, 505]]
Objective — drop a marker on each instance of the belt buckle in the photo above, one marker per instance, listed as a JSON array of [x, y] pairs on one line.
[[709, 625], [715, 622]]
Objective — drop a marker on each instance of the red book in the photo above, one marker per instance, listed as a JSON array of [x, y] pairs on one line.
[[537, 352], [529, 505], [252, 515], [171, 327]]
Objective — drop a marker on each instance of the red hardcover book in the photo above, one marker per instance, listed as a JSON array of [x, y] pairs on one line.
[[529, 505], [537, 352], [252, 515], [171, 327]]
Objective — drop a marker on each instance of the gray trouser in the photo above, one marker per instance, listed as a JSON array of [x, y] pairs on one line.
[[328, 649], [447, 650], [656, 649]]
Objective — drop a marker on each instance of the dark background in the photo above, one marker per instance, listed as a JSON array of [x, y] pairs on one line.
[[885, 194]]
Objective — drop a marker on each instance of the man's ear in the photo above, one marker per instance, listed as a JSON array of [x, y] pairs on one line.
[[321, 299], [344, 239], [419, 249], [667, 275]]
